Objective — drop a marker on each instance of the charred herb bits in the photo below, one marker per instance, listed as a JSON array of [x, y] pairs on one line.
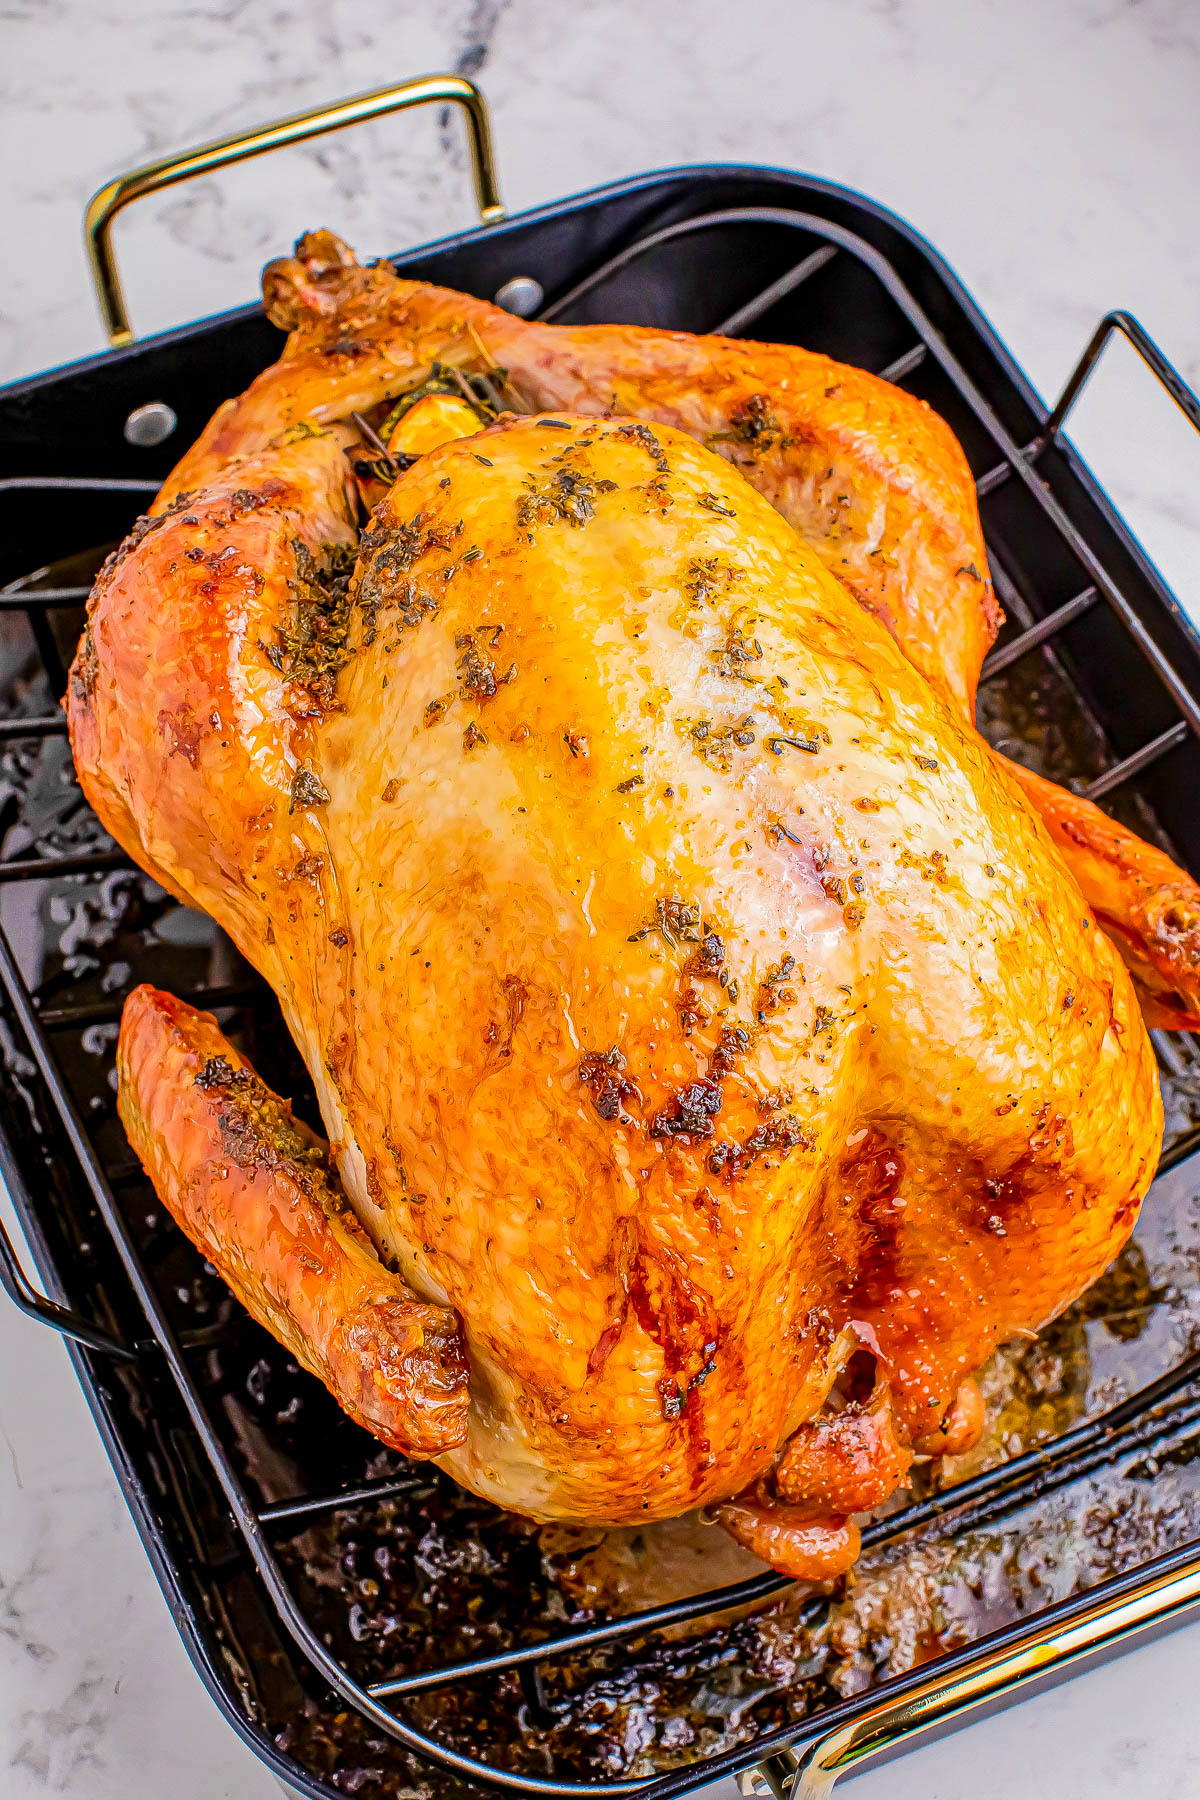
[[308, 790], [604, 1077], [479, 675]]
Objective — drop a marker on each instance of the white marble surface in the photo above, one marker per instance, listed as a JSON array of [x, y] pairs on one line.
[[1049, 151]]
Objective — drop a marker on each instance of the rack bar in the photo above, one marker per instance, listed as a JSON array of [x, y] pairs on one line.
[[62, 1319], [1168, 1054], [1133, 765], [48, 725], [1037, 634], [591, 1637], [15, 599], [1184, 1146], [996, 477], [52, 662], [742, 215], [904, 365], [308, 1507], [99, 484], [47, 868], [778, 290], [533, 1692], [1124, 322], [1180, 1425], [107, 1012]]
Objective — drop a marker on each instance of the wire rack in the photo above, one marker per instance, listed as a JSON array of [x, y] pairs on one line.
[[1084, 589]]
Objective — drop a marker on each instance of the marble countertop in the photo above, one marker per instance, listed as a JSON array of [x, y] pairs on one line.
[[1050, 153]]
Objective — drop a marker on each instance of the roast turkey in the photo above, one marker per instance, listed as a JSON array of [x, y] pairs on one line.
[[717, 1054]]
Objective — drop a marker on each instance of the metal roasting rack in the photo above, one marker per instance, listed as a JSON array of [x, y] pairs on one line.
[[722, 250]]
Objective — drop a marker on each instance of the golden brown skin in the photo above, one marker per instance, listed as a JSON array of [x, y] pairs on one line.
[[1148, 906], [871, 478], [691, 1000], [231, 564], [791, 1538], [251, 1187], [961, 1428], [847, 1463]]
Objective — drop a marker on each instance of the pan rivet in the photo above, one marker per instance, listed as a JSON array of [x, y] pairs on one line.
[[522, 295], [150, 424]]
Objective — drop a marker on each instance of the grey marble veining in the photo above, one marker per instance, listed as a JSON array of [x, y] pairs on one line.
[[1050, 152]]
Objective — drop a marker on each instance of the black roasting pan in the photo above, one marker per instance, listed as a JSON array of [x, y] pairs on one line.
[[365, 1627]]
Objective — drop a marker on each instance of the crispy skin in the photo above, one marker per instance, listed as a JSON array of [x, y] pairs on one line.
[[871, 479], [791, 1538], [847, 1463], [959, 1429], [670, 1050], [251, 1188], [798, 1517]]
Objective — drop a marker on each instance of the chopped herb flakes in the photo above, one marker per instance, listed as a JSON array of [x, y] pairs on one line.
[[734, 661], [715, 744], [642, 434], [774, 990], [709, 959], [705, 577], [711, 504], [779, 1135], [476, 668], [312, 649], [676, 921], [308, 790], [753, 422], [691, 1113], [567, 494], [389, 552]]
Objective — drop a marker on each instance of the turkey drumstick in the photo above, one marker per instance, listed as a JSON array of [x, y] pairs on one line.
[[253, 1189]]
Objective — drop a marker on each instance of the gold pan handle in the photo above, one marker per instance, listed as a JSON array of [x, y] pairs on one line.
[[104, 205]]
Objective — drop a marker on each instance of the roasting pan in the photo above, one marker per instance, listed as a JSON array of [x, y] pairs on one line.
[[365, 1626]]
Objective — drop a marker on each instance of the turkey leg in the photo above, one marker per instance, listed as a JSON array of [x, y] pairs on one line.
[[254, 1190]]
